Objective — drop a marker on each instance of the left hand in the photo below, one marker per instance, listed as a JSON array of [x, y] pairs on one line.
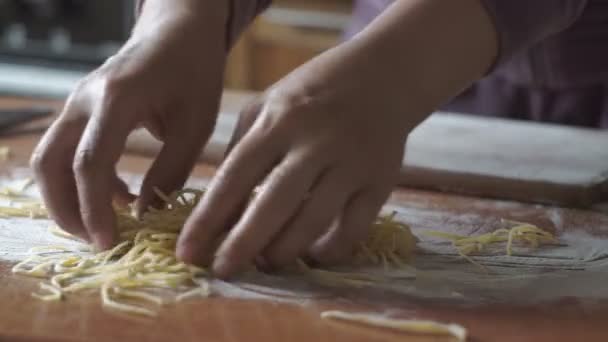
[[327, 143]]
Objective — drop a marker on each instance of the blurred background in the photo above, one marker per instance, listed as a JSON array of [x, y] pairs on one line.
[[47, 45]]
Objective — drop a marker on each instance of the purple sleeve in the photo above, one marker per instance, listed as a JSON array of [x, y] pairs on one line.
[[241, 14], [522, 23]]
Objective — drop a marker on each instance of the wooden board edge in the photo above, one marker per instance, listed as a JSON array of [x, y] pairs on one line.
[[538, 192]]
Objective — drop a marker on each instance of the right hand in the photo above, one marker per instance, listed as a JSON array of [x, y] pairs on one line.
[[168, 79]]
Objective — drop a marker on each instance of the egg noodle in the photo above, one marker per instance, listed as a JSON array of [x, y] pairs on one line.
[[136, 273], [519, 232], [141, 273], [422, 327]]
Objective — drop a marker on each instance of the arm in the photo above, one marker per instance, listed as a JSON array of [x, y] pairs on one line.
[[240, 14], [430, 49], [327, 140]]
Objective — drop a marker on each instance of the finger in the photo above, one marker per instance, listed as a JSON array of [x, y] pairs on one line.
[[52, 166], [352, 228], [245, 121], [312, 220], [270, 210], [172, 167], [94, 168], [228, 191]]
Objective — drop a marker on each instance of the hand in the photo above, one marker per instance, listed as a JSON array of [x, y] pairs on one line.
[[327, 141], [327, 144], [168, 79]]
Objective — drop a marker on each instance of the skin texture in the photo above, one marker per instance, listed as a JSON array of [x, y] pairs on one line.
[[175, 54], [325, 142]]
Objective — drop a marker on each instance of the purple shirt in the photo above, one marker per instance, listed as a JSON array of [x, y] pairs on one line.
[[552, 64], [242, 12]]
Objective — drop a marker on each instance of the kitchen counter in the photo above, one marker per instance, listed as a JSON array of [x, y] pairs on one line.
[[23, 318]]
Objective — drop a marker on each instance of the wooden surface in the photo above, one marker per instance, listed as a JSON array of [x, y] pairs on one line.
[[25, 319], [279, 41], [491, 157], [509, 159]]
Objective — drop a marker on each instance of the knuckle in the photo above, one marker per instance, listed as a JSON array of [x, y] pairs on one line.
[[80, 92], [81, 86], [279, 174], [113, 83], [251, 111], [266, 126], [282, 111], [289, 99], [40, 161], [84, 163], [112, 88]]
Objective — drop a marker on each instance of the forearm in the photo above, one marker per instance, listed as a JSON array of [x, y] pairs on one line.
[[206, 16], [237, 14], [427, 51]]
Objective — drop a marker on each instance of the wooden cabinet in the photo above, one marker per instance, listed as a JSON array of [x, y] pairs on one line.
[[288, 34]]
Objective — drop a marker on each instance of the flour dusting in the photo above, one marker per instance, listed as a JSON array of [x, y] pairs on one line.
[[577, 267]]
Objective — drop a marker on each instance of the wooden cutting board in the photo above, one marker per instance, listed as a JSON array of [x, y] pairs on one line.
[[525, 161], [81, 318], [490, 157]]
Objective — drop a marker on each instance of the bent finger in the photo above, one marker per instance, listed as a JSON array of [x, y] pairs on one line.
[[52, 166], [281, 196], [352, 228], [312, 220], [229, 190], [100, 148]]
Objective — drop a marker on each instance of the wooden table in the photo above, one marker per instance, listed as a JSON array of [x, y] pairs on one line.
[[219, 319]]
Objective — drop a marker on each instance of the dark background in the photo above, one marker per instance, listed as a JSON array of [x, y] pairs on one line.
[[63, 32], [46, 46]]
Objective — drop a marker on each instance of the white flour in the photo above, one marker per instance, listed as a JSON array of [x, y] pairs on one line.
[[578, 267]]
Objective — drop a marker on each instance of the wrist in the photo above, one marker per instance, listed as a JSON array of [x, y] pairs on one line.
[[199, 19], [431, 49]]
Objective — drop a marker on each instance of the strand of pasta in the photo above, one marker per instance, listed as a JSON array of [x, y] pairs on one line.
[[144, 260], [425, 327], [519, 232]]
